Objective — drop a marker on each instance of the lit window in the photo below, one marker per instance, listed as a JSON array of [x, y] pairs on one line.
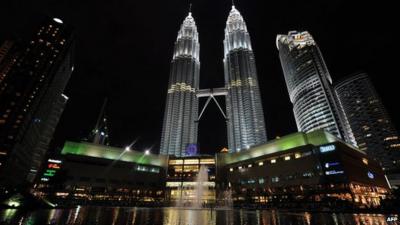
[[365, 161], [176, 162], [297, 155], [239, 167], [191, 161], [231, 169], [261, 163], [207, 161], [287, 158], [250, 165], [273, 160]]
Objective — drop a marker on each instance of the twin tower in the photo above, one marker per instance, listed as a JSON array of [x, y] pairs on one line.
[[244, 113]]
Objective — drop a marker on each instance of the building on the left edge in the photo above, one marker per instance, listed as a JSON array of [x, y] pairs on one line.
[[33, 76]]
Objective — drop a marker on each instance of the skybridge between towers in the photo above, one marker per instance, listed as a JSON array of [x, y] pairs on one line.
[[210, 94]]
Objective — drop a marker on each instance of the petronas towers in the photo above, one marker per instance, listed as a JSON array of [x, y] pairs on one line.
[[246, 125], [244, 113], [180, 127]]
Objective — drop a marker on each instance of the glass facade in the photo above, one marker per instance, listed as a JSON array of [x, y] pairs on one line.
[[367, 119], [309, 83], [246, 126], [34, 76], [184, 186], [181, 110]]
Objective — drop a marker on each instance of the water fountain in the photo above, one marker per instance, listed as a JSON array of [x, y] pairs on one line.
[[193, 197], [199, 187], [225, 200]]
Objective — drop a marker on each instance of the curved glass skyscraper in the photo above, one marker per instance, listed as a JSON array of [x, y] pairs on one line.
[[180, 127], [309, 83], [246, 125], [367, 119]]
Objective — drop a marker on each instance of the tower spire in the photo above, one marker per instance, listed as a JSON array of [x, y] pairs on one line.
[[190, 7], [233, 3]]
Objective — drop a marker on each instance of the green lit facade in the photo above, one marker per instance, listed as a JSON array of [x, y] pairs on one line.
[[285, 143], [290, 167], [113, 153]]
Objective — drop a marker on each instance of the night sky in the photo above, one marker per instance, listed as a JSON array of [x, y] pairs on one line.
[[124, 49]]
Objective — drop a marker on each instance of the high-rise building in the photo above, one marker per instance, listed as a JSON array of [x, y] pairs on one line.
[[309, 84], [181, 110], [5, 60], [367, 119], [246, 126], [32, 100]]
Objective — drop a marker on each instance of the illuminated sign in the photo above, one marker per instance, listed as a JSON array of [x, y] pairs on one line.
[[49, 173], [54, 161], [53, 166], [327, 148], [327, 165], [370, 175], [334, 172]]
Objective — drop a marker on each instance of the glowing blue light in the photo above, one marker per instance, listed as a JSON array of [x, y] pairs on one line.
[[334, 172], [371, 175], [327, 165]]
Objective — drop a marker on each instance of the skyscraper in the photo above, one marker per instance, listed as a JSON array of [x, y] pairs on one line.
[[309, 83], [6, 60], [245, 123], [181, 110], [368, 120], [32, 100]]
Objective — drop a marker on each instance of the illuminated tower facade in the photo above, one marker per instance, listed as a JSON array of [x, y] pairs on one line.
[[309, 83], [368, 120], [181, 110], [245, 124]]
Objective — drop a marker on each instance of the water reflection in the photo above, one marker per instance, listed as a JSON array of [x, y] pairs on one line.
[[177, 216]]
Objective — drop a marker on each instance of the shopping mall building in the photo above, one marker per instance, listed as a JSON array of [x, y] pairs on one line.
[[307, 168]]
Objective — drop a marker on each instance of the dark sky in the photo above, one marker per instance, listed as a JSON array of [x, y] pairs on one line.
[[124, 48]]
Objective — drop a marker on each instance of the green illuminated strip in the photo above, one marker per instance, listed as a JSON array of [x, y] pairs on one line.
[[112, 153], [278, 145]]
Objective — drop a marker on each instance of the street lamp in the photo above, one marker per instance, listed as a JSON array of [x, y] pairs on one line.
[[147, 152], [128, 148]]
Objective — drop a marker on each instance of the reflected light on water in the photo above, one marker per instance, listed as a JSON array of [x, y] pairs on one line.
[[178, 216], [115, 215], [8, 214], [369, 219], [174, 216], [307, 217]]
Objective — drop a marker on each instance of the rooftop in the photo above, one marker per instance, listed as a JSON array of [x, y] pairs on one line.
[[113, 153], [290, 141]]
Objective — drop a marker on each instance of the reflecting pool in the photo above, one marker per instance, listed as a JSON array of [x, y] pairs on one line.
[[179, 216]]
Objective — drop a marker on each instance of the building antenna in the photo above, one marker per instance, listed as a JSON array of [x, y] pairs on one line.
[[233, 2], [190, 7]]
